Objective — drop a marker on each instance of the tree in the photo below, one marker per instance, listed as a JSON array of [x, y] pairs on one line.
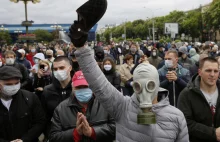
[[212, 15], [98, 37], [43, 35], [5, 37]]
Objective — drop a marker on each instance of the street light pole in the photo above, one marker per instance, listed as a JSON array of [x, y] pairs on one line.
[[26, 18], [153, 32]]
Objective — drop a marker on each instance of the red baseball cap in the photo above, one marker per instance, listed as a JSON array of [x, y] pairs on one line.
[[79, 79]]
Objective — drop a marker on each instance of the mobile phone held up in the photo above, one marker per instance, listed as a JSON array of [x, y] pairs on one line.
[[42, 67]]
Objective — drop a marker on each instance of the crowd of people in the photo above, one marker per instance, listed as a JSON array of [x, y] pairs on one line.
[[61, 93]]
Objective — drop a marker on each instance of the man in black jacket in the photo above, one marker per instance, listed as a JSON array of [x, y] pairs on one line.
[[81, 117], [21, 115], [200, 103], [10, 57], [59, 90]]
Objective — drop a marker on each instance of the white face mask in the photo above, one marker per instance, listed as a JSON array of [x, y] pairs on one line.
[[11, 90], [106, 51], [36, 61], [10, 61], [154, 54], [169, 63], [61, 75], [33, 50], [0, 64], [107, 67]]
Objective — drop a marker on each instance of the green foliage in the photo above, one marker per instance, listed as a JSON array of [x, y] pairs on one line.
[[5, 37], [189, 23], [212, 15], [43, 35], [98, 37]]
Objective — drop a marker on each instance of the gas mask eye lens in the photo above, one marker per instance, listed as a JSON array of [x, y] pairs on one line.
[[137, 87], [150, 86]]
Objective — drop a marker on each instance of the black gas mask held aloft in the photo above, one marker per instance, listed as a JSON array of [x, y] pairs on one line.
[[88, 15]]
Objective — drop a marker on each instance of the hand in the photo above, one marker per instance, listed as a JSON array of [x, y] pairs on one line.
[[143, 59], [87, 130], [39, 89], [217, 131], [171, 76], [40, 72], [79, 123], [33, 71]]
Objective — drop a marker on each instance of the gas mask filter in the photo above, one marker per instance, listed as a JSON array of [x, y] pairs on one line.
[[146, 86]]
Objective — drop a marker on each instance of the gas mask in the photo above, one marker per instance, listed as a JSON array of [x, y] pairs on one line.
[[146, 86]]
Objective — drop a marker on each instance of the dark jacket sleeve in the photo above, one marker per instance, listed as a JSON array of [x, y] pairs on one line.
[[196, 129], [117, 81], [1, 140], [38, 120], [105, 131], [25, 76], [56, 132]]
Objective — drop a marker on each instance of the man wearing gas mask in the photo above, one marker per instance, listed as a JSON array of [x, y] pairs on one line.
[[146, 115]]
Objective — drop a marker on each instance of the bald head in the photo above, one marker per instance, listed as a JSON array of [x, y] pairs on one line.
[[60, 53]]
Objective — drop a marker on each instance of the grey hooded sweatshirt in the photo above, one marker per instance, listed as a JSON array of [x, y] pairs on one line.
[[171, 124]]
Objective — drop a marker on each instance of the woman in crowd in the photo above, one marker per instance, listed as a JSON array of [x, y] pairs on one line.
[[42, 77], [125, 72], [109, 69]]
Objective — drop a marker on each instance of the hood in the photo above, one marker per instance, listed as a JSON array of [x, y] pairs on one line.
[[152, 53], [194, 82], [39, 56], [192, 52]]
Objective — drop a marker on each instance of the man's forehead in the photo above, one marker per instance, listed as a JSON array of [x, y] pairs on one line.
[[59, 64], [210, 65]]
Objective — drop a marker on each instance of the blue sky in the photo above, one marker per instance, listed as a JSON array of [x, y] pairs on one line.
[[63, 11]]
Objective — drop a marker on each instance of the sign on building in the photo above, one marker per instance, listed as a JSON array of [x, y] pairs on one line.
[[171, 28]]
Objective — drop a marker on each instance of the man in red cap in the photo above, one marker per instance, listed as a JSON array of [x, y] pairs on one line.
[[81, 117]]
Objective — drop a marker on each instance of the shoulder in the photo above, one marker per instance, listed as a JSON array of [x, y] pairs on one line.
[[48, 88], [174, 113], [63, 105], [28, 96], [184, 70], [161, 70], [117, 74]]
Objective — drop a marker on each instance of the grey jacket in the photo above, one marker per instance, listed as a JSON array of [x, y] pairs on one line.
[[171, 124]]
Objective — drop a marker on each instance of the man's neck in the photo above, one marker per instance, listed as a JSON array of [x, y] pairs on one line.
[[65, 82], [206, 88], [5, 97]]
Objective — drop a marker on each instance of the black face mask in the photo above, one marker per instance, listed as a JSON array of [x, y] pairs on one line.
[[48, 56]]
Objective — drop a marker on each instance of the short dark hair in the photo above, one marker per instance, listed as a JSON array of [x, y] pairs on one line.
[[207, 59], [62, 58], [172, 51], [127, 57]]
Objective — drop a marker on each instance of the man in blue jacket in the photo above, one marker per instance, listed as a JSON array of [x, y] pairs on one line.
[[173, 77]]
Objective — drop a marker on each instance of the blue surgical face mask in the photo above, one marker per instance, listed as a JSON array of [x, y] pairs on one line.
[[83, 95]]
